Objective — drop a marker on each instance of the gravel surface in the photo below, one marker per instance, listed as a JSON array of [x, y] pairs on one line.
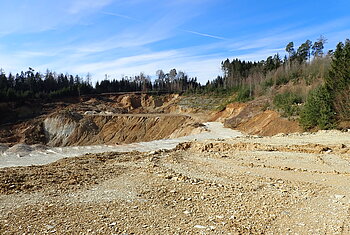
[[293, 184]]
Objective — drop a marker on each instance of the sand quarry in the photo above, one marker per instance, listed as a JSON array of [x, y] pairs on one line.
[[141, 164]]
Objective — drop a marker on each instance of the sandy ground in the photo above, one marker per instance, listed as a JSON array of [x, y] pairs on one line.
[[286, 184], [25, 155]]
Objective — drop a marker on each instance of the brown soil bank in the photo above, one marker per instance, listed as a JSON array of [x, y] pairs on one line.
[[69, 128], [251, 119]]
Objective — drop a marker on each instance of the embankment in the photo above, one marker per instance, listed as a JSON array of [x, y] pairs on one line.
[[73, 129]]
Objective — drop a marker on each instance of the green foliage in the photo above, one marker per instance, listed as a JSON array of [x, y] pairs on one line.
[[290, 49], [317, 48], [287, 103], [318, 110], [268, 83], [223, 104], [317, 69], [265, 107], [338, 81], [281, 80], [303, 52], [28, 85], [243, 94]]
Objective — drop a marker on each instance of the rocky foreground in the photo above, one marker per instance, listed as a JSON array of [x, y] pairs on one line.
[[285, 184]]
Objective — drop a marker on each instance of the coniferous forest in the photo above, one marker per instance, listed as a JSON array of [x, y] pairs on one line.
[[326, 73]]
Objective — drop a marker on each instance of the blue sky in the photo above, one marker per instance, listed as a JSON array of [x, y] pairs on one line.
[[118, 37]]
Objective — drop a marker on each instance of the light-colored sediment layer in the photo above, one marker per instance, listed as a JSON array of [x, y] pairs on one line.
[[30, 155]]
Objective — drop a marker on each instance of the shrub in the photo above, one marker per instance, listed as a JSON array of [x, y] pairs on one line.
[[267, 83], [287, 103], [318, 110], [243, 94], [282, 80]]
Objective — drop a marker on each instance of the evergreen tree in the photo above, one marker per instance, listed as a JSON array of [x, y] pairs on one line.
[[338, 81], [318, 46], [303, 53], [290, 50]]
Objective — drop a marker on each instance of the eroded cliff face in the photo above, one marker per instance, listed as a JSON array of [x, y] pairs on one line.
[[58, 128], [70, 129]]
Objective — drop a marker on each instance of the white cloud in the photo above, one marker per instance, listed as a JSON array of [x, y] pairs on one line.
[[41, 15], [200, 66], [124, 62]]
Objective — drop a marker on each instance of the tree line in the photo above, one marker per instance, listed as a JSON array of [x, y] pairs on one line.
[[172, 81], [34, 85], [238, 73]]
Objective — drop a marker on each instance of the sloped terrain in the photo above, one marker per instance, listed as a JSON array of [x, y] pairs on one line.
[[285, 184], [251, 118], [112, 119], [74, 130]]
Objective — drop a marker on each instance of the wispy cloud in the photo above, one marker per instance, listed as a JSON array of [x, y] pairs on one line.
[[202, 67], [120, 16], [23, 17], [125, 62], [205, 34], [78, 6]]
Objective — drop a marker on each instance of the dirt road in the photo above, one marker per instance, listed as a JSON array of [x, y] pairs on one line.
[[292, 184]]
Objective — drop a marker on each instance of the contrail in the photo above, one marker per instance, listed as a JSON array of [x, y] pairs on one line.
[[205, 35], [120, 15]]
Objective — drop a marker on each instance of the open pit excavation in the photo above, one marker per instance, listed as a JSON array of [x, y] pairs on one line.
[[26, 155], [142, 165]]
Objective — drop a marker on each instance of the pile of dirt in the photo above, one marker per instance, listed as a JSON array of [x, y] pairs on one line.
[[234, 110], [22, 150], [58, 127], [145, 103], [28, 132]]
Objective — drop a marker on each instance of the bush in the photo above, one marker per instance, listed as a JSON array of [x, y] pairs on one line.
[[282, 80], [243, 94], [318, 110], [287, 103], [267, 83]]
